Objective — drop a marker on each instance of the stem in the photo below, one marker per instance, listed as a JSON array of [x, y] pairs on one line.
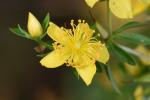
[[39, 41], [109, 18]]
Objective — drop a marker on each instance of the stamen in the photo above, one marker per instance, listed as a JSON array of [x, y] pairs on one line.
[[57, 45]]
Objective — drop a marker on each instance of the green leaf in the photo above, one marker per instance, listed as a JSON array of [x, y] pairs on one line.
[[122, 55], [145, 78], [17, 32], [75, 73], [111, 78], [46, 22], [122, 68], [98, 67], [20, 32], [129, 25], [134, 37], [23, 31], [93, 26]]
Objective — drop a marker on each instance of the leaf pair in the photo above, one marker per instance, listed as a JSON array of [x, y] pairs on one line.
[[20, 32]]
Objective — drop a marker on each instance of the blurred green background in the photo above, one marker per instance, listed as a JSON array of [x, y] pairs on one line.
[[21, 75]]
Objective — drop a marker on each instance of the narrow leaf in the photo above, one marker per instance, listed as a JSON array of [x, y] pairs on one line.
[[24, 32], [134, 37], [122, 55], [129, 25], [17, 32], [46, 22], [98, 67], [93, 26], [112, 79], [145, 78], [75, 73]]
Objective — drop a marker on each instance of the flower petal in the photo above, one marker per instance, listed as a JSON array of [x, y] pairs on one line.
[[57, 33], [121, 8], [139, 6], [55, 59], [99, 52], [91, 3], [87, 73], [83, 32]]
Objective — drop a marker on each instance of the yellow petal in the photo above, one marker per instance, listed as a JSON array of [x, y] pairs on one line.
[[91, 3], [139, 6], [99, 52], [55, 59], [82, 60], [34, 26], [121, 8], [83, 31], [87, 73], [57, 33]]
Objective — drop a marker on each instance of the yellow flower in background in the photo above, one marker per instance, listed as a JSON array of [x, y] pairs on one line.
[[121, 8], [124, 8], [127, 8], [91, 3], [139, 6], [34, 27], [77, 48], [143, 54], [134, 70], [138, 93]]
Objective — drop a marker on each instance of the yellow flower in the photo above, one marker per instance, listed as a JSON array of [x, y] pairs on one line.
[[77, 48], [143, 54], [127, 8], [34, 26], [134, 70], [124, 8], [91, 3], [138, 93], [139, 6]]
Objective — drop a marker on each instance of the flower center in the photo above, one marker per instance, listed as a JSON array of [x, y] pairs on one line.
[[77, 45]]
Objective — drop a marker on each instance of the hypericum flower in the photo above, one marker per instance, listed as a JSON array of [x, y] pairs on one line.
[[77, 48], [124, 8], [34, 27], [139, 93], [91, 3], [133, 70], [127, 8], [144, 54]]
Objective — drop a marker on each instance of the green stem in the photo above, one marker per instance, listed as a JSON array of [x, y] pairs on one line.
[[39, 41]]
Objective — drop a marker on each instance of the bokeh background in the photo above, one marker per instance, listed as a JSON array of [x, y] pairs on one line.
[[21, 75]]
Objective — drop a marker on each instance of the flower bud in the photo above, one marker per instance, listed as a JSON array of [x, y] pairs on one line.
[[34, 26]]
